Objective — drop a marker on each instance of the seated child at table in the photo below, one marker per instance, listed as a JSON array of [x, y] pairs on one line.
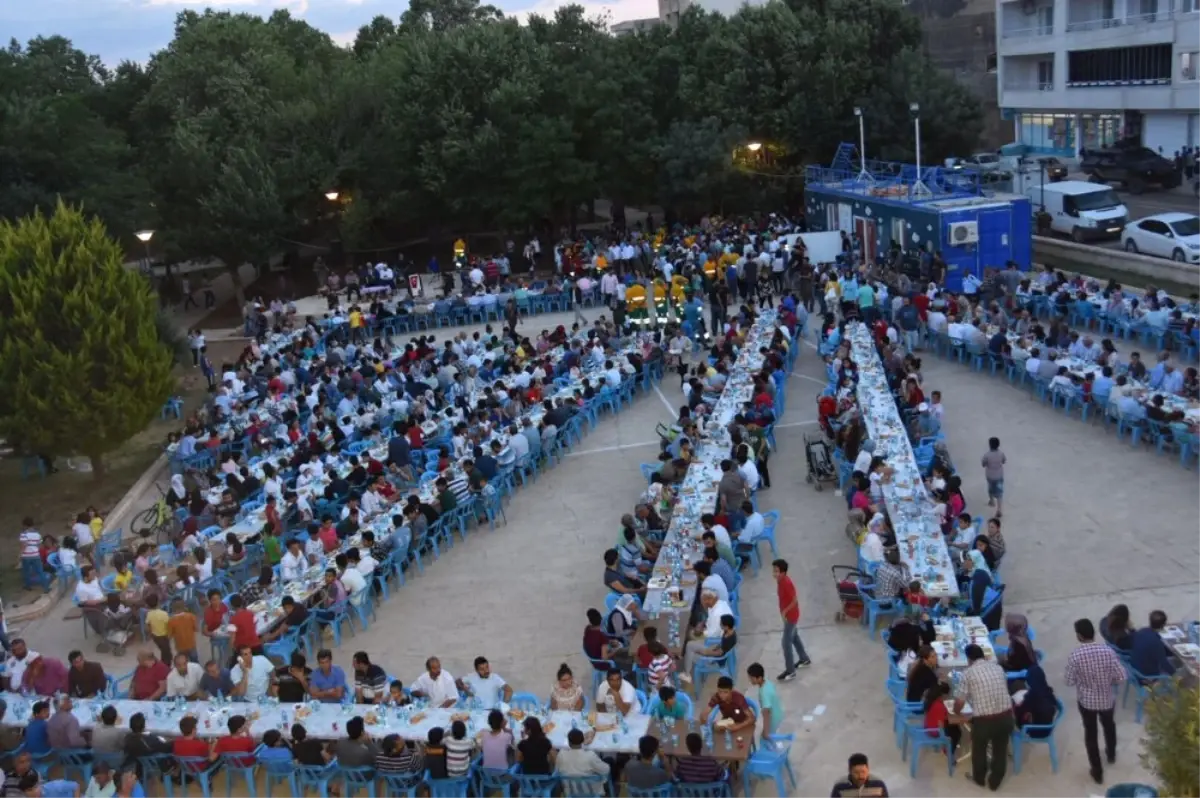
[[435, 754], [937, 716]]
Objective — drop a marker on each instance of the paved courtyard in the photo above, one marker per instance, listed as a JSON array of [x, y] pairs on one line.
[[1089, 523]]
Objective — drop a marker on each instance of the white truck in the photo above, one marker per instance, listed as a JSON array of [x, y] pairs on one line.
[[1084, 211]]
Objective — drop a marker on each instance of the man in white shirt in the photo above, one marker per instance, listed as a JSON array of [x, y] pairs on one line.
[[252, 675], [476, 276], [293, 564], [184, 678], [749, 472], [489, 688], [1034, 363], [710, 582], [617, 696], [372, 501], [351, 579], [436, 684], [612, 375], [518, 443], [754, 527], [716, 608], [362, 561], [866, 451], [708, 521], [15, 665], [88, 590]]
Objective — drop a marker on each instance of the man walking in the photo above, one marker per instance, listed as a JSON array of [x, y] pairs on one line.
[[1093, 669], [993, 471], [985, 688], [789, 610]]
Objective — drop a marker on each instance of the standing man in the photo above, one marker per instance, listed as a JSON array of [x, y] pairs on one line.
[[789, 610], [1093, 669], [985, 687]]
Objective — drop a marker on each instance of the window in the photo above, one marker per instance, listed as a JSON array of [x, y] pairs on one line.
[[1188, 64], [1045, 18], [898, 232], [1148, 65], [1045, 70], [1153, 226], [1107, 10], [1188, 6], [1050, 134], [990, 64]]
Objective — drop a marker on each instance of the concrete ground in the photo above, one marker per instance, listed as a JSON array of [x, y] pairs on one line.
[[1089, 523]]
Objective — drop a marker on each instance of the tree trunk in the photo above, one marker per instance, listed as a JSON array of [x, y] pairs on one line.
[[97, 462], [239, 290]]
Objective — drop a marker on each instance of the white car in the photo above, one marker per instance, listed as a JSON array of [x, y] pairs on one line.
[[1165, 235]]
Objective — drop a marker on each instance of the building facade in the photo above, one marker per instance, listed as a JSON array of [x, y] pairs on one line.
[[960, 37], [1076, 74]]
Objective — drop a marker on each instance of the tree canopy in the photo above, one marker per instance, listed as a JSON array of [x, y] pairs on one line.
[[453, 118], [81, 360]]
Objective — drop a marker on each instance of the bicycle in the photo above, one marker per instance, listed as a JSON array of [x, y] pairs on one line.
[[155, 520]]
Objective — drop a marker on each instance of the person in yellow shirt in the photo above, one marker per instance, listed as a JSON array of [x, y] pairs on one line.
[[123, 577], [96, 523], [158, 625], [356, 324]]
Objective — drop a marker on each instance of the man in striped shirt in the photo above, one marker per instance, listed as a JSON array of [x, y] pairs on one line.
[[697, 768], [1094, 669]]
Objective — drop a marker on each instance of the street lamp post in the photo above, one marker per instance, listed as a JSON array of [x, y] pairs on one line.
[[863, 174], [919, 188], [332, 196], [144, 236]]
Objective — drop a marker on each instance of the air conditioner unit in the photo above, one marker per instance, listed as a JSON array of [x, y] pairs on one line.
[[963, 233]]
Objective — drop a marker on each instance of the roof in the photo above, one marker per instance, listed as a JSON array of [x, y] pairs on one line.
[[1173, 216], [1073, 188], [998, 200]]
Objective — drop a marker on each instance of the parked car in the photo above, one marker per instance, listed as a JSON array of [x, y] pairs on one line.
[[980, 162], [1165, 235], [1056, 170], [1133, 166]]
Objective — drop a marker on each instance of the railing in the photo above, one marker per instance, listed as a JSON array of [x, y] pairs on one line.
[[1028, 33], [1030, 85], [1116, 22]]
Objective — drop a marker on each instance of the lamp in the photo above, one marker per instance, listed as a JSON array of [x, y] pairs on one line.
[[144, 236], [754, 146], [331, 196], [862, 145]]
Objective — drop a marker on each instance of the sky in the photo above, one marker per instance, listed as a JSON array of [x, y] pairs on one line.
[[118, 30]]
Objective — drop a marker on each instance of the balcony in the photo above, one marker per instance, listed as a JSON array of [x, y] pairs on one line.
[[1027, 33], [1117, 22], [1029, 85]]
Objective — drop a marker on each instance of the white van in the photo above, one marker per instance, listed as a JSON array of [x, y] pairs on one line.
[[1082, 210]]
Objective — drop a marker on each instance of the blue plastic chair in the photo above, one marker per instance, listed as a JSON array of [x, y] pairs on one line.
[[526, 702], [79, 759], [355, 779], [879, 609], [665, 791], [536, 786], [702, 666], [711, 789], [918, 737], [245, 765], [315, 776], [406, 784], [1022, 735], [586, 786], [275, 771], [770, 762], [198, 769], [680, 697], [648, 470], [447, 788], [365, 608], [493, 780], [902, 710], [1141, 691]]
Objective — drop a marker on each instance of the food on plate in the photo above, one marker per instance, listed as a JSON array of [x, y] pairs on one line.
[[463, 716], [417, 718], [517, 715]]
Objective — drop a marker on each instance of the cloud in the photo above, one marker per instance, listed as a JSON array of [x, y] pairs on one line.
[[345, 38], [298, 7], [614, 11]]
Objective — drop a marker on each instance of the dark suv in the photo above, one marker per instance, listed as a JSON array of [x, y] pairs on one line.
[[1133, 166]]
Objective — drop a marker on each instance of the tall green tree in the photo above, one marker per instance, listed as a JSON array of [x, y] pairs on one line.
[[81, 360]]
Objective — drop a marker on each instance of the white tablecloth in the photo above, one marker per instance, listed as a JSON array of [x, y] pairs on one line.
[[909, 506], [328, 721]]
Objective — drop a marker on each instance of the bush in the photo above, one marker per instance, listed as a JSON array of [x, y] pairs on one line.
[[1172, 739]]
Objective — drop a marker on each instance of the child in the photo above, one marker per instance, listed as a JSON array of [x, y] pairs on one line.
[[274, 748], [182, 628], [915, 596], [661, 665], [157, 623], [67, 556], [183, 577], [937, 716], [435, 754], [272, 548], [118, 620], [396, 694]]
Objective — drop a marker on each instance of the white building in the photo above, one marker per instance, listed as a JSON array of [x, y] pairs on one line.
[[1085, 73], [669, 11]]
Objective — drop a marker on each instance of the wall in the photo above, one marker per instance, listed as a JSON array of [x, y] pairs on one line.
[[1166, 130], [960, 37], [1175, 278]]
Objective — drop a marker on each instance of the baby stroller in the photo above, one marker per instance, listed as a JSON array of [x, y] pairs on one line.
[[847, 580], [820, 462]]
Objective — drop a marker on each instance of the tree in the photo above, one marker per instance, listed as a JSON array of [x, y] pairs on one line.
[[1172, 736], [81, 361]]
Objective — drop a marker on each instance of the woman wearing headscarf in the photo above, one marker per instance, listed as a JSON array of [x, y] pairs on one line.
[[871, 549], [1020, 654], [980, 590], [1038, 706]]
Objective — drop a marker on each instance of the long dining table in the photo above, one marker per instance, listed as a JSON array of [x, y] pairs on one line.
[[909, 505], [672, 586]]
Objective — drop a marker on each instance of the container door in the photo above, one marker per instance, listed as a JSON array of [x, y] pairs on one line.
[[995, 240], [866, 230]]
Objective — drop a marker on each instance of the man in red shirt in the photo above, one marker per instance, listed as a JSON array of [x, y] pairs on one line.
[[789, 610], [189, 745], [149, 680], [238, 741], [733, 706], [246, 627]]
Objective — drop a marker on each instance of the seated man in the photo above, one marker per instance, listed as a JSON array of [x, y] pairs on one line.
[[696, 768], [617, 581], [1148, 653], [736, 714], [602, 648]]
